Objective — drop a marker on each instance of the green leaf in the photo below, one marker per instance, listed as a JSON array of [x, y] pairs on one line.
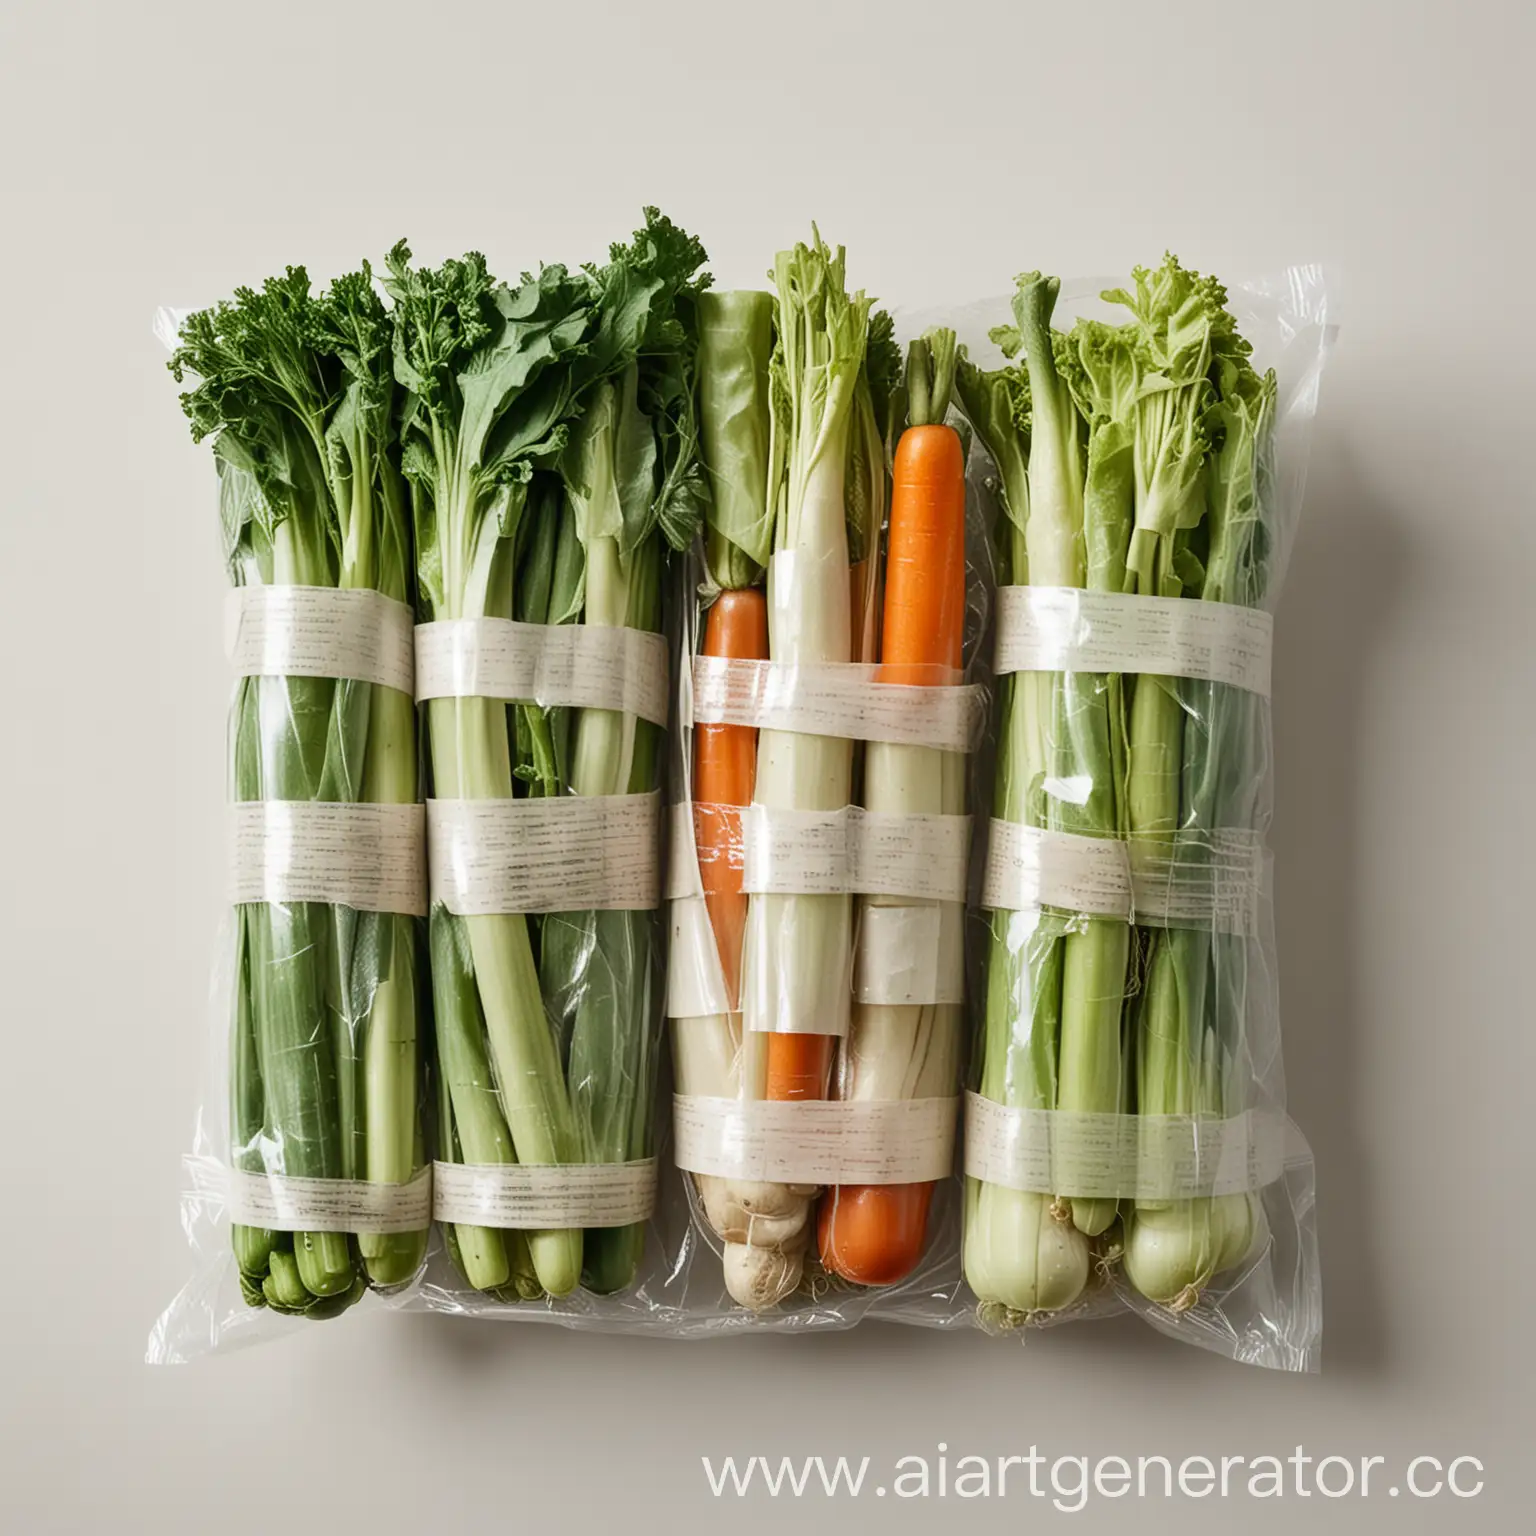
[[735, 345], [668, 394], [883, 369], [588, 468], [996, 403], [817, 366], [634, 465], [1182, 328], [568, 590], [536, 323]]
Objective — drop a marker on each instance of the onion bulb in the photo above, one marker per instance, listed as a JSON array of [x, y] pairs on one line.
[[1021, 1249]]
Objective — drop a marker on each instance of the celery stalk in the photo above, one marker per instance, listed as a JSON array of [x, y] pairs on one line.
[[1200, 455], [1081, 792]]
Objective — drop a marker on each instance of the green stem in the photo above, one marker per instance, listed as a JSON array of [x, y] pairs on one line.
[[611, 970], [472, 761], [472, 1121], [391, 1051]]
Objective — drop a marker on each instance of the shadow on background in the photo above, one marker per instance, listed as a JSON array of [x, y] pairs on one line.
[[1349, 563]]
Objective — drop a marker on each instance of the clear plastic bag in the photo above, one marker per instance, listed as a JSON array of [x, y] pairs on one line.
[[551, 445], [1127, 1002], [821, 834], [306, 1188], [1149, 1165]]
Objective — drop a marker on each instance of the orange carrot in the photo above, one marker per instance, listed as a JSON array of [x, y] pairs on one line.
[[924, 619], [724, 771], [799, 1066], [873, 1234]]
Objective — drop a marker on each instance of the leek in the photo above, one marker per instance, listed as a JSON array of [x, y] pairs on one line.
[[798, 948]]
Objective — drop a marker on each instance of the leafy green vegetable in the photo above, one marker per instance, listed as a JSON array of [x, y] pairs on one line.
[[996, 403], [297, 390], [551, 445], [1182, 326], [1196, 753], [1129, 459]]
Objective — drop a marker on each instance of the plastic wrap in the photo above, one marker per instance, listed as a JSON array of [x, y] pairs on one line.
[[821, 836], [546, 1166], [551, 445], [307, 1185], [1126, 1140], [1022, 823]]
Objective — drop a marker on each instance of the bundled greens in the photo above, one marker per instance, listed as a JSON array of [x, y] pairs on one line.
[[550, 444], [1055, 981], [1198, 751], [297, 391], [1128, 460]]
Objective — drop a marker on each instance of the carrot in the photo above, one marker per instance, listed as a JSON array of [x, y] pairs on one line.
[[799, 1066], [924, 619], [873, 1234], [724, 769]]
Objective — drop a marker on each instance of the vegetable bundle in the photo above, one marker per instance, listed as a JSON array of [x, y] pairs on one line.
[[1130, 459], [786, 594], [796, 393], [511, 483], [549, 447], [325, 1049]]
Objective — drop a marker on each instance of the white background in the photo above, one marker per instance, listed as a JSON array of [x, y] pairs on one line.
[[162, 153]]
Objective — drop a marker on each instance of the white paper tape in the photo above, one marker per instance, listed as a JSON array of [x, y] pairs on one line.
[[904, 954], [1199, 880], [908, 956], [571, 853], [584, 666], [284, 1204], [319, 632], [830, 853], [1031, 867], [372, 857], [527, 1195], [826, 853], [1122, 1157], [1064, 629], [830, 699], [1192, 880], [906, 1141]]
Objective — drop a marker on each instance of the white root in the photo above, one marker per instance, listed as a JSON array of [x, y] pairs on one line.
[[761, 1277]]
